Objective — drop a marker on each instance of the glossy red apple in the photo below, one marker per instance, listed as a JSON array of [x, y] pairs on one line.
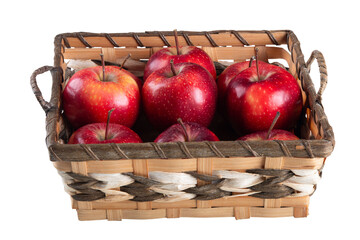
[[276, 134], [183, 90], [94, 133], [227, 76], [186, 132], [88, 96], [253, 98], [179, 54]]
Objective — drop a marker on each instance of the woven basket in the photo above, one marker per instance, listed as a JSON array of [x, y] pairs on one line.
[[193, 179]]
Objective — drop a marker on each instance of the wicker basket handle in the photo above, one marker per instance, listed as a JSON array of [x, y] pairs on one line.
[[323, 71], [35, 88]]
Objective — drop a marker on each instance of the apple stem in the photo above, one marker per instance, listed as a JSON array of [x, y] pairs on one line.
[[272, 124], [126, 58], [172, 67], [251, 60], [184, 129], [107, 123], [257, 62], [176, 42], [103, 65]]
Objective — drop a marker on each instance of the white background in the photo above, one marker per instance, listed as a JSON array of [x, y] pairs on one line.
[[33, 203]]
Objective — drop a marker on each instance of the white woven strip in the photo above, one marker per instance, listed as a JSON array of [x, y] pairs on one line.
[[235, 190], [309, 179], [305, 172], [66, 178], [115, 195], [170, 188], [172, 185], [173, 178], [234, 174], [109, 181]]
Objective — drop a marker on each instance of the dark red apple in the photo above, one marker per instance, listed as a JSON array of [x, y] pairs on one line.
[[227, 76], [88, 96], [183, 90], [276, 134], [179, 55], [95, 133], [254, 97], [186, 132]]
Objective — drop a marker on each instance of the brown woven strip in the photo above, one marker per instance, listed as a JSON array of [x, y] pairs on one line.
[[148, 198], [272, 181], [163, 38], [211, 40], [143, 180], [215, 149], [118, 150], [271, 195], [66, 42], [82, 40], [52, 153], [284, 148], [207, 192], [240, 38], [269, 172], [308, 148], [82, 185], [276, 188], [216, 195], [159, 151], [185, 150], [88, 150], [187, 39], [80, 177], [272, 189], [246, 145], [138, 191], [272, 38], [203, 177], [111, 40], [137, 39], [89, 195]]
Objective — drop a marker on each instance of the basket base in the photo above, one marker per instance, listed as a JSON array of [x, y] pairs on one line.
[[237, 212]]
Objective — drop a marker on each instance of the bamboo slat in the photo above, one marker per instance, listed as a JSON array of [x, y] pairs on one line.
[[233, 201], [221, 39], [273, 163], [184, 165], [237, 212]]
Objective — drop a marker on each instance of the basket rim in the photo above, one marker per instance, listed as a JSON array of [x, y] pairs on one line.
[[178, 150]]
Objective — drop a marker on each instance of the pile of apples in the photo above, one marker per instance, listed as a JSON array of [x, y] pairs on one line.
[[179, 95]]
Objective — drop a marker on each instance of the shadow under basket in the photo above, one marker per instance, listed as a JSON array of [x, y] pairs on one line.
[[192, 179]]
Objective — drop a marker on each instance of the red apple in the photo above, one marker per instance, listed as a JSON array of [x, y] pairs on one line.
[[186, 132], [276, 134], [183, 90], [95, 133], [88, 96], [179, 55], [253, 98], [227, 76]]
